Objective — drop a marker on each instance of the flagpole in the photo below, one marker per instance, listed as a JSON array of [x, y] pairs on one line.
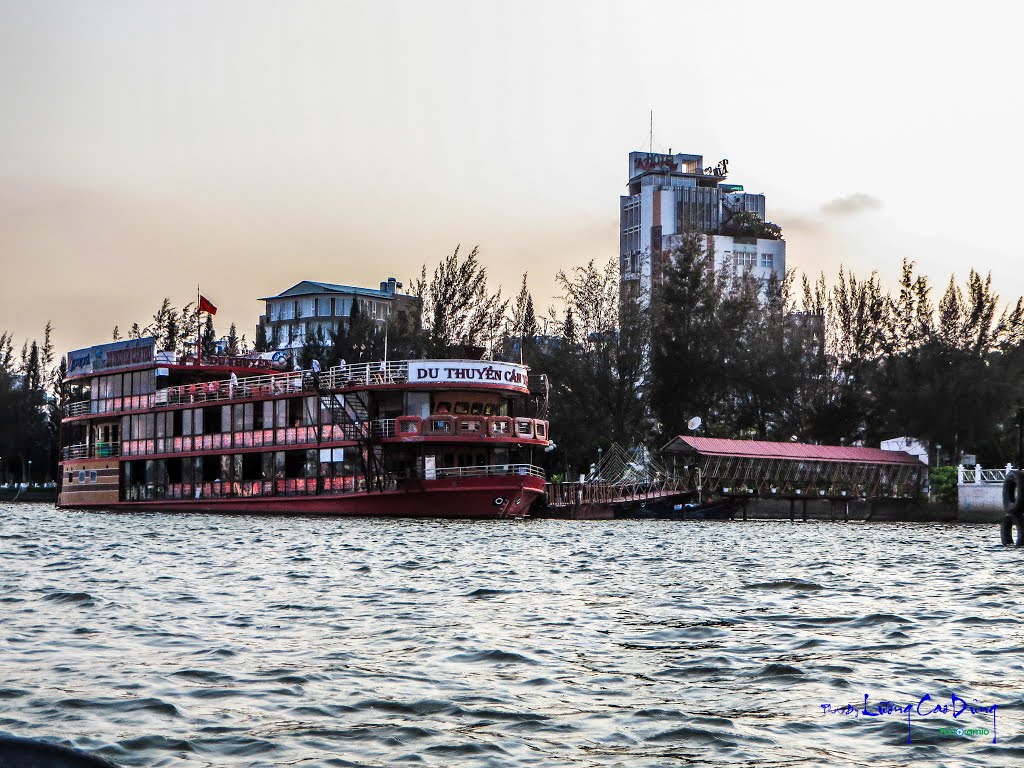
[[199, 337]]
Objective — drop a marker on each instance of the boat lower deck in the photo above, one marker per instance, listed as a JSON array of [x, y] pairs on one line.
[[488, 497]]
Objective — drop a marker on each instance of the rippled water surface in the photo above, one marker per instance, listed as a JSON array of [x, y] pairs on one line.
[[254, 641]]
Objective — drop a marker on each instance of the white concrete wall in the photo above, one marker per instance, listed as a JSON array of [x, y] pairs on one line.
[[667, 201], [980, 503], [725, 246], [646, 218], [778, 250]]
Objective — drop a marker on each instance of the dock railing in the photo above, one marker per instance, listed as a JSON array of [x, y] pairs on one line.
[[977, 476], [570, 494]]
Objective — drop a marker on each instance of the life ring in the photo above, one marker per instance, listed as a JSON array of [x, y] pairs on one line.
[[1013, 493], [499, 501], [1010, 536]]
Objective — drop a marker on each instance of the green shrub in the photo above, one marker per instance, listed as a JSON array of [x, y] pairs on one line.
[[943, 482]]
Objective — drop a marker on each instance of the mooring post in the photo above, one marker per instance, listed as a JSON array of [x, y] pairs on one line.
[[831, 509], [805, 510], [846, 511], [744, 509], [792, 508]]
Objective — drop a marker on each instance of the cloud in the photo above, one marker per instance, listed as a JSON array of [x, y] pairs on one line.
[[858, 202], [790, 221]]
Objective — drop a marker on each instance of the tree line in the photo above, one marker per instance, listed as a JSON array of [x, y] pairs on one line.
[[30, 412], [844, 362], [791, 359], [840, 363]]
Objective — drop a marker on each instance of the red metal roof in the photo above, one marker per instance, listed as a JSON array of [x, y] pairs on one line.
[[763, 449]]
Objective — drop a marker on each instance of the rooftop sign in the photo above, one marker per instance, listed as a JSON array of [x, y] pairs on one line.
[[107, 357], [689, 164]]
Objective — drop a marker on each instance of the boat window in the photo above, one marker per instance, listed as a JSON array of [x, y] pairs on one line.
[[461, 408], [294, 414], [477, 409], [488, 409], [418, 404], [295, 464], [443, 408], [211, 420], [260, 414], [252, 466]]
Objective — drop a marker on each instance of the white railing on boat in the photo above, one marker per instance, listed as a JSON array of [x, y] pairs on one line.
[[91, 451], [77, 409], [111, 405], [305, 486], [264, 385], [977, 476], [532, 430], [487, 470]]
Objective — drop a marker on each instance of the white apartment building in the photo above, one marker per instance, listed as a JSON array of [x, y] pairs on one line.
[[310, 306], [675, 193]]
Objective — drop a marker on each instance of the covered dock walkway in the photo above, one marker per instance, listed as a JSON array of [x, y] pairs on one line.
[[752, 468]]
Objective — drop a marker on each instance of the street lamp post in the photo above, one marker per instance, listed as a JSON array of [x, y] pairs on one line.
[[30, 472], [1020, 438]]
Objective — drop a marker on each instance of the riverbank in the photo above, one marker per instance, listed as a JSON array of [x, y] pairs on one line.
[[36, 495], [781, 509], [854, 510]]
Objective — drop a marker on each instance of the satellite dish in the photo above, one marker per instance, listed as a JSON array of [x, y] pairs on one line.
[[694, 423]]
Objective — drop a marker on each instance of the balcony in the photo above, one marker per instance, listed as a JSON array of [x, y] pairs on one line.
[[91, 451], [401, 429], [110, 405], [280, 437]]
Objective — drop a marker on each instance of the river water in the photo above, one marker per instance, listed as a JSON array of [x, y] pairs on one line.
[[162, 640]]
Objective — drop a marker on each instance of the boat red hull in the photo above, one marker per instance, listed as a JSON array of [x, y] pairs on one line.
[[455, 498]]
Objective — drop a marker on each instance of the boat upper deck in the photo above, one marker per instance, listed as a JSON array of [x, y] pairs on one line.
[[211, 385]]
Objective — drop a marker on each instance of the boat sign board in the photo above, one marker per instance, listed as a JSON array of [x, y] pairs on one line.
[[107, 357], [468, 372]]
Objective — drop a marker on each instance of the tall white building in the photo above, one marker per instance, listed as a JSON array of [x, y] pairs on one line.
[[673, 194]]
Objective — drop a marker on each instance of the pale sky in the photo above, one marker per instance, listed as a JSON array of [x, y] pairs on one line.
[[145, 147]]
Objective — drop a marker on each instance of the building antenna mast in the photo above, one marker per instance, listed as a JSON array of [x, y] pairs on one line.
[[650, 140]]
